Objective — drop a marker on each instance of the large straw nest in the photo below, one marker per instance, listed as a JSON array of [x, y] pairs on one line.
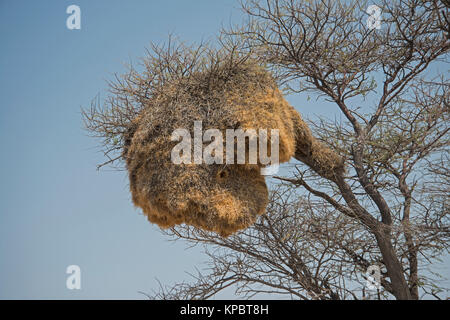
[[215, 197]]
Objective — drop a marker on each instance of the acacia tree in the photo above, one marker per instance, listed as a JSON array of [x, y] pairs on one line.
[[389, 209]]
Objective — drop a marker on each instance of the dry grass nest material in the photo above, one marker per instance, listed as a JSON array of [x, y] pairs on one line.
[[218, 197]]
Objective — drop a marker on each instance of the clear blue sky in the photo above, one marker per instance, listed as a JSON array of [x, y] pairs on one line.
[[55, 208]]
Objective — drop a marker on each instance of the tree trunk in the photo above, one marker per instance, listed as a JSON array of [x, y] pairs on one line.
[[382, 234], [394, 268]]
